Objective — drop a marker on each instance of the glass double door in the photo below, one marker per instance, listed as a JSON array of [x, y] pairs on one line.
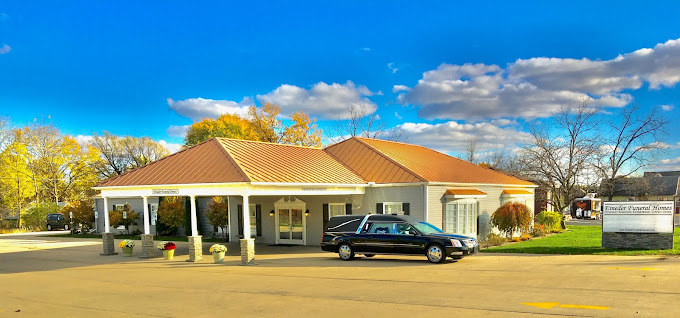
[[291, 226]]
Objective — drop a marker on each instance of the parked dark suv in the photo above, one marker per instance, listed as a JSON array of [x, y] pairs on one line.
[[56, 221], [374, 234]]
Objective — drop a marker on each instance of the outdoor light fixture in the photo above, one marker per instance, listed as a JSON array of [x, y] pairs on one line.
[[271, 213], [306, 212]]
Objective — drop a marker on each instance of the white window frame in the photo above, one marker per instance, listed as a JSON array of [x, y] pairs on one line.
[[119, 207], [330, 209], [463, 223], [399, 212]]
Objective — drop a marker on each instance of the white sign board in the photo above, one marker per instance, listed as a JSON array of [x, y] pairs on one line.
[[154, 213], [165, 191], [638, 216]]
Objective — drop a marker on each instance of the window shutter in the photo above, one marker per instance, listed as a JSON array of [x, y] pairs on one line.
[[325, 216], [258, 219], [406, 207], [239, 209], [348, 208], [379, 208]]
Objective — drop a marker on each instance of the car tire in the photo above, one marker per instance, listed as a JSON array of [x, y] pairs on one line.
[[49, 227], [435, 253], [369, 255], [346, 252]]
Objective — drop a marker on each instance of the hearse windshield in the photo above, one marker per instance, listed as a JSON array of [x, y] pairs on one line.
[[427, 228]]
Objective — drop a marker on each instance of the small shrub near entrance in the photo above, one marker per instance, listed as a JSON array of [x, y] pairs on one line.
[[218, 214], [171, 212], [551, 220], [512, 218], [494, 240], [539, 230]]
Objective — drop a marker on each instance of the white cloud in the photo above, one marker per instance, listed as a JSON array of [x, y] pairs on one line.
[[170, 146], [670, 161], [199, 108], [536, 87], [366, 49], [392, 68], [5, 49], [667, 108], [177, 131], [452, 137], [328, 101], [397, 115], [84, 140]]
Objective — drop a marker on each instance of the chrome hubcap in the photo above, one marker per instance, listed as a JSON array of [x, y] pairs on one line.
[[344, 251], [435, 253]]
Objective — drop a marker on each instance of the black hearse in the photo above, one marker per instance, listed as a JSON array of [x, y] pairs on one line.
[[374, 234]]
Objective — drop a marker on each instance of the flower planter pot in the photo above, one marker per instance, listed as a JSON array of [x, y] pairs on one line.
[[127, 251], [168, 254], [218, 257]]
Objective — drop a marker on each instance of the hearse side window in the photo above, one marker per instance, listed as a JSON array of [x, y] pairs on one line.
[[381, 228], [404, 229]]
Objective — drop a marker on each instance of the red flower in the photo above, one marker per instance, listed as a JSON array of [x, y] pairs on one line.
[[170, 246]]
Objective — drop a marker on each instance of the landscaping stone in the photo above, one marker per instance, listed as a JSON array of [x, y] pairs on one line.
[[147, 246], [108, 244], [195, 248], [247, 251], [649, 241]]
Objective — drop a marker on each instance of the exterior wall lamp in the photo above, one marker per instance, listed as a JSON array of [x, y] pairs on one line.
[[271, 213], [306, 212]]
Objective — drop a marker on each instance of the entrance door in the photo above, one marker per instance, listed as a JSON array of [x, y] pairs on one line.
[[290, 222]]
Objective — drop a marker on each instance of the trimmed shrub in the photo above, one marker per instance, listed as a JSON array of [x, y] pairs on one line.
[[494, 240], [83, 213], [34, 219], [526, 237], [511, 218], [539, 230], [116, 218], [551, 220]]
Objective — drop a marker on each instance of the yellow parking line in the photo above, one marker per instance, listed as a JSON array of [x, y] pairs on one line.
[[584, 307], [635, 269]]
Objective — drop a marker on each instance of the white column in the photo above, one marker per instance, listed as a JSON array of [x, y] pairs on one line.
[[194, 222], [246, 218], [146, 215], [106, 215]]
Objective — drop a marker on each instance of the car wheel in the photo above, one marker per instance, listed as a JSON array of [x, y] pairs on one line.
[[369, 255], [436, 253], [49, 227], [65, 227], [346, 252]]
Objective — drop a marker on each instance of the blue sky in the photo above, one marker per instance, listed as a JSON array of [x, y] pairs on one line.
[[441, 71]]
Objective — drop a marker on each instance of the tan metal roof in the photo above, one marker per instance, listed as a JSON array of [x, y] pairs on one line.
[[268, 162], [221, 160], [206, 162], [383, 161], [370, 164], [464, 192], [516, 191]]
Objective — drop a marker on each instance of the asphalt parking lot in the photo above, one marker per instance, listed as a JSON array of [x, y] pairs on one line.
[[55, 277]]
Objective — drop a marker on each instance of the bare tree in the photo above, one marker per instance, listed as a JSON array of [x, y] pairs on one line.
[[120, 154], [471, 149], [634, 140], [557, 154], [360, 123]]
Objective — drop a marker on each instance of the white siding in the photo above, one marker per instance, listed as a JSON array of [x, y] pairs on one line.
[[489, 204], [405, 194]]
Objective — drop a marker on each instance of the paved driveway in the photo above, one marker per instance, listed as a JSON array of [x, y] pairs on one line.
[[48, 277]]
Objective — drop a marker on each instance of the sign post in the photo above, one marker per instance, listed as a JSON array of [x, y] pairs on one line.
[[638, 224]]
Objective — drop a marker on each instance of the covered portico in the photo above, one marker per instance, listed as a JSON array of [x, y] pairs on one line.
[[288, 207]]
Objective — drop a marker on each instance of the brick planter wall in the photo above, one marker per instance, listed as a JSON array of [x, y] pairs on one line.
[[649, 241]]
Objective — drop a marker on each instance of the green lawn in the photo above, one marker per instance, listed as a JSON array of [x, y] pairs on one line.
[[136, 237], [578, 240]]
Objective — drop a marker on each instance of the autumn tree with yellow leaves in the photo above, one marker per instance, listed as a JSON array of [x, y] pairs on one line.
[[261, 124]]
